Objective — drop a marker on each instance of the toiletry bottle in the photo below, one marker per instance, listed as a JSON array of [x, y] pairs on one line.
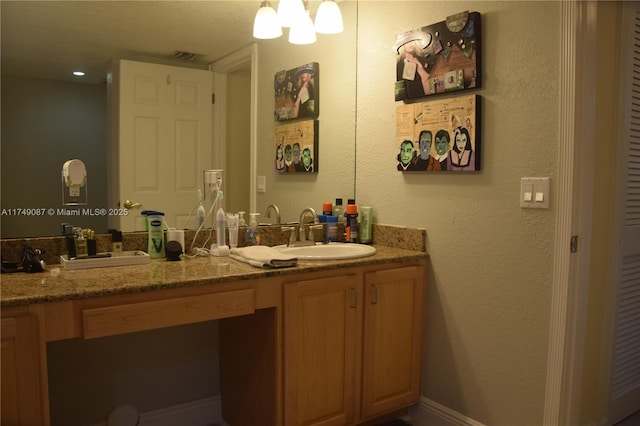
[[156, 235], [92, 244], [331, 231], [67, 231], [81, 243], [338, 210], [366, 226], [327, 209], [116, 242], [232, 224], [253, 233], [351, 224]]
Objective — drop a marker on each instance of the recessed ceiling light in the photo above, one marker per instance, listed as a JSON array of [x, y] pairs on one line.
[[78, 73]]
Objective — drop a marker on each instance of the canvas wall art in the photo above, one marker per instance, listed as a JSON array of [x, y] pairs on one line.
[[439, 135], [296, 147], [439, 58], [296, 93]]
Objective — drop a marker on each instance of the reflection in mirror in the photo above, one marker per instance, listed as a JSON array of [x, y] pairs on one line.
[[49, 118]]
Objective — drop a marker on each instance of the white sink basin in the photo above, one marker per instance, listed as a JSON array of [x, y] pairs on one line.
[[331, 251]]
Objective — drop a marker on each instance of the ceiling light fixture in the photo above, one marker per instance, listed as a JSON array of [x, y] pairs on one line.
[[329, 18], [294, 14], [289, 11], [266, 24], [302, 31], [79, 73]]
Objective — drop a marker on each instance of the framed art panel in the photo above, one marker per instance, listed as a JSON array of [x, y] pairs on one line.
[[439, 135], [296, 147], [439, 58], [297, 92]]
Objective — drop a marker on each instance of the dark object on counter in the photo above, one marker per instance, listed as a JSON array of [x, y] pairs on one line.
[[92, 247], [173, 250], [116, 240], [30, 261], [67, 231]]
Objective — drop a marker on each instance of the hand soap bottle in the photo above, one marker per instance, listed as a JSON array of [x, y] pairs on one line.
[[253, 233]]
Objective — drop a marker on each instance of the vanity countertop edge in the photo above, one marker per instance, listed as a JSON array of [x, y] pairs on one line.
[[57, 284]]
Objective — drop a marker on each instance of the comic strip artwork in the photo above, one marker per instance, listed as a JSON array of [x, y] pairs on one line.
[[439, 135], [439, 58], [296, 93], [296, 147]]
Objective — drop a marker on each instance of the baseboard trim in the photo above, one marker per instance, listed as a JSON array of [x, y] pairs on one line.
[[430, 413], [205, 412]]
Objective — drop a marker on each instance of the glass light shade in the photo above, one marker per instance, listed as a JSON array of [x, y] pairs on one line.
[[329, 18], [289, 12], [266, 25], [302, 31]]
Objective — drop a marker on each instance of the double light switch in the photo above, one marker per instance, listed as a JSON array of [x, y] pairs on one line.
[[534, 192]]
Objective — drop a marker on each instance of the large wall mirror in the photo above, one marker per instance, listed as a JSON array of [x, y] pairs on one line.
[[50, 116]]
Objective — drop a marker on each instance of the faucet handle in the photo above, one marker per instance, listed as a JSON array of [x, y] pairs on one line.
[[292, 235], [312, 236]]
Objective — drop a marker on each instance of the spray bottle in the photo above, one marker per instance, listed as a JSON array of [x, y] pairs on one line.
[[253, 233]]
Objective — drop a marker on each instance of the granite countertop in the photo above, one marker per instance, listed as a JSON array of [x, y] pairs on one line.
[[58, 284]]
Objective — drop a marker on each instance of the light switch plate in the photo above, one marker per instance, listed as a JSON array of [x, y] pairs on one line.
[[534, 192], [261, 185]]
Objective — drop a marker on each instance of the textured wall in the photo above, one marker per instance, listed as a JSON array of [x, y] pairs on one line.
[[488, 299]]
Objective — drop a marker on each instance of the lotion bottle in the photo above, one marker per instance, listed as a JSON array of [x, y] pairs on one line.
[[156, 235], [253, 233]]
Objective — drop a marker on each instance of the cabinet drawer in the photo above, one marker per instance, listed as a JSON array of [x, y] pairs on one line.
[[111, 320]]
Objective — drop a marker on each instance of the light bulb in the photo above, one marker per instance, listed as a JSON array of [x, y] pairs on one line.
[[289, 12], [266, 25], [302, 31], [329, 18]]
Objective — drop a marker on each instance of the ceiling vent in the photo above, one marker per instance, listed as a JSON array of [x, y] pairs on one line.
[[187, 56]]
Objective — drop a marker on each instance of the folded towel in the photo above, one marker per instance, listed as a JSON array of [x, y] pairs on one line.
[[263, 257]]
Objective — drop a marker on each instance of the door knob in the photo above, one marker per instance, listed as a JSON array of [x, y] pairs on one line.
[[128, 204]]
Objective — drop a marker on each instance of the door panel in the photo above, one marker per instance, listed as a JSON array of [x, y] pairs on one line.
[[163, 140]]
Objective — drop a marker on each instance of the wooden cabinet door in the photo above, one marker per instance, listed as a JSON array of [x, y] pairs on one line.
[[392, 348], [322, 338], [21, 379]]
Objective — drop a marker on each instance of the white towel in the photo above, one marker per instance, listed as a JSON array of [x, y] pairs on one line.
[[263, 257]]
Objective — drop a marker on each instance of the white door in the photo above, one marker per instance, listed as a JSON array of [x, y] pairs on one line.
[[625, 364], [164, 140]]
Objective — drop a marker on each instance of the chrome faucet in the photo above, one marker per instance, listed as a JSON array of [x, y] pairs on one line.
[[276, 209], [305, 212]]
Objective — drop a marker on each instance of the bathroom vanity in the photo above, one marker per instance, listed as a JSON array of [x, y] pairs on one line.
[[326, 342]]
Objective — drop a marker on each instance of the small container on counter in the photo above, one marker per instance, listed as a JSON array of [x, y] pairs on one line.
[[116, 241], [81, 243], [366, 225], [331, 231], [69, 237], [351, 224], [327, 209]]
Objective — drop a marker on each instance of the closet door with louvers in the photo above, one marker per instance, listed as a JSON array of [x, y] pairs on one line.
[[625, 369]]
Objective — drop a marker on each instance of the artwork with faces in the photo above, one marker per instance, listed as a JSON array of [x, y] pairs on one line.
[[296, 147], [439, 58], [297, 93], [439, 135]]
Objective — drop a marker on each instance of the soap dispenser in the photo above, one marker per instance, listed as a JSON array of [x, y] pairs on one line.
[[253, 233]]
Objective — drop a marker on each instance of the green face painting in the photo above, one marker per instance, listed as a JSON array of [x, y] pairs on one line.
[[442, 145]]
